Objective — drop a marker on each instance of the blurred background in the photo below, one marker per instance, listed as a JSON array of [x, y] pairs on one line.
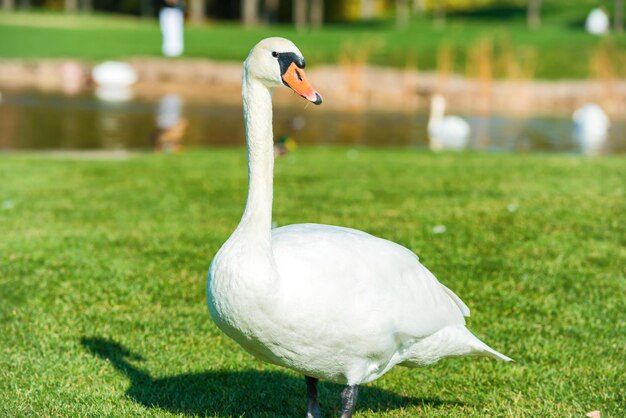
[[123, 171], [516, 75]]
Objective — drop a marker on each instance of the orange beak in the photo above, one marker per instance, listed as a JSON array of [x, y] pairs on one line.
[[295, 78]]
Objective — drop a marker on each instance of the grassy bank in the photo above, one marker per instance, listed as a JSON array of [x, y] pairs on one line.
[[103, 267], [560, 49]]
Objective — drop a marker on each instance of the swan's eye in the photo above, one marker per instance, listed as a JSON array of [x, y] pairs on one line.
[[275, 54]]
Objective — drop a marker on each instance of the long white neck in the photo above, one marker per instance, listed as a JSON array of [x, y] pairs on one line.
[[437, 111], [257, 107]]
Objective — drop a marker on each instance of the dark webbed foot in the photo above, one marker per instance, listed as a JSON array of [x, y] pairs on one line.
[[348, 400], [312, 404]]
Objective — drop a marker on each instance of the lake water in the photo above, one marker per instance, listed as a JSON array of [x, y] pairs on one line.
[[40, 121]]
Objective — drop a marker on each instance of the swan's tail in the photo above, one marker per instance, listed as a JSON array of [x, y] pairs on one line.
[[452, 341], [481, 349], [487, 351]]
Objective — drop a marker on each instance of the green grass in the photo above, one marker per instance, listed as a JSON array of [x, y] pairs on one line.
[[103, 267], [561, 48]]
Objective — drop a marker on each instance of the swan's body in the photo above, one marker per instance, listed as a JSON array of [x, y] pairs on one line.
[[329, 302], [446, 132], [591, 127], [350, 306]]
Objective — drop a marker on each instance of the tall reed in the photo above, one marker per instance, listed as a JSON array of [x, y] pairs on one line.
[[353, 60], [479, 66], [604, 67], [445, 66]]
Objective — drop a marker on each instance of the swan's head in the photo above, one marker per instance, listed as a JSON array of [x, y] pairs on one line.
[[276, 62]]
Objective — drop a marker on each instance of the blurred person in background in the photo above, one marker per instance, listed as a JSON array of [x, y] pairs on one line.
[[171, 18]]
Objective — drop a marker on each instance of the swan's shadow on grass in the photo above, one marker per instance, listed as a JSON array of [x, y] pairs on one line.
[[225, 394]]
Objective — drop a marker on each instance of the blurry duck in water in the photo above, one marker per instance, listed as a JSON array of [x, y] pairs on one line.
[[446, 132], [284, 145]]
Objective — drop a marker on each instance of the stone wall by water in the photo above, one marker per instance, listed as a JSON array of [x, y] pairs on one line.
[[352, 87]]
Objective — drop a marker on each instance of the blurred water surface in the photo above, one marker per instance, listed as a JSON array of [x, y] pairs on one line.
[[44, 121]]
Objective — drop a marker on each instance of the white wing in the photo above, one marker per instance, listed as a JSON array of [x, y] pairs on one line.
[[358, 284]]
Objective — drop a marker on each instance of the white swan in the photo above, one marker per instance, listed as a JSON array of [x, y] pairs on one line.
[[329, 302], [114, 80], [591, 126], [114, 73], [446, 132]]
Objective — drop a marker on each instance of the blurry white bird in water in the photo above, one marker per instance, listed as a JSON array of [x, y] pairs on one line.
[[446, 132], [597, 22], [113, 80], [114, 73], [591, 126]]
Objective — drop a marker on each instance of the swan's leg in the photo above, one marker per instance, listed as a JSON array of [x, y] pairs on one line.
[[348, 400], [312, 405]]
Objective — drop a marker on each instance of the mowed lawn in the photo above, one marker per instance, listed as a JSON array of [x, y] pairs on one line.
[[103, 266]]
